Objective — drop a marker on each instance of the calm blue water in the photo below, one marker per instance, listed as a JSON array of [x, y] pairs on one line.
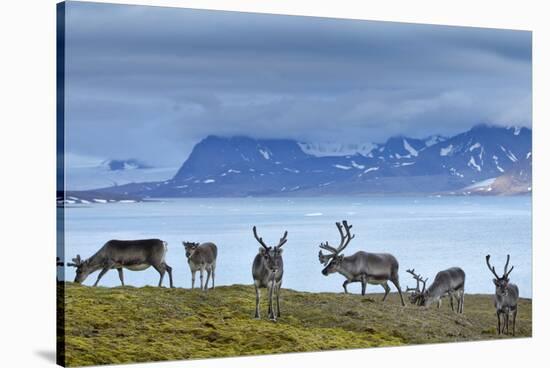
[[428, 234]]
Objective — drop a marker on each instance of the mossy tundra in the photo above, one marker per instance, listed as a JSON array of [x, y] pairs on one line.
[[126, 324]]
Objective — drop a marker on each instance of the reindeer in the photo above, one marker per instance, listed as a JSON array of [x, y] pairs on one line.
[[201, 257], [448, 282], [267, 272], [367, 268], [135, 255], [506, 297]]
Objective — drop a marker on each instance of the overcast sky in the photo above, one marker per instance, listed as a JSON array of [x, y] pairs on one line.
[[150, 82]]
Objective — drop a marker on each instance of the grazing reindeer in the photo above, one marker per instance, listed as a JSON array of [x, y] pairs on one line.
[[267, 272], [506, 297], [201, 257], [135, 255], [447, 282], [367, 268]]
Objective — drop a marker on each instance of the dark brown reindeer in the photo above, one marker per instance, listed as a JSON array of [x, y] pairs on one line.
[[367, 268], [506, 297], [449, 282], [267, 272], [201, 257], [135, 255]]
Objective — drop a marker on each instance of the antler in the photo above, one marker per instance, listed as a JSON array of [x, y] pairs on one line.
[[76, 261], [419, 280], [491, 268], [344, 241], [325, 246], [325, 258], [282, 241], [506, 272], [260, 240]]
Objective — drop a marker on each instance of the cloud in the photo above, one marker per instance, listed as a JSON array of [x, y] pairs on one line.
[[149, 82]]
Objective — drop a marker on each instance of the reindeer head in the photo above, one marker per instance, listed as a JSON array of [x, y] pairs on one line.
[[333, 260], [190, 248], [271, 255], [417, 296], [501, 282], [83, 269]]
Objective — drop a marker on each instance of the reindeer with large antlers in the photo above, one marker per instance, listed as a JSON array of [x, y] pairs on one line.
[[367, 268], [506, 297], [267, 272], [449, 282]]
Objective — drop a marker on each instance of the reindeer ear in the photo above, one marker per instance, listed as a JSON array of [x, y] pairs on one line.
[[280, 250], [261, 250], [495, 281]]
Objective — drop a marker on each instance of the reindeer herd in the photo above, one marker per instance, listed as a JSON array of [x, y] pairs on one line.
[[267, 272]]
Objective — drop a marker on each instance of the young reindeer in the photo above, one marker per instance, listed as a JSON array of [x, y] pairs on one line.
[[267, 272], [506, 297], [201, 257], [135, 255], [447, 282], [367, 268]]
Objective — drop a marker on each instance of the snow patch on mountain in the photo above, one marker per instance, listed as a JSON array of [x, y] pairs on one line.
[[472, 163], [265, 154], [409, 148], [474, 146], [445, 151]]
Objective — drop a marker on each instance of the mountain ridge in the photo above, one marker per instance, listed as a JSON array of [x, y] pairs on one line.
[[243, 166]]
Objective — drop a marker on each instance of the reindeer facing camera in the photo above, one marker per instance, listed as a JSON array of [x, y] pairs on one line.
[[506, 297], [449, 282], [267, 272], [367, 268]]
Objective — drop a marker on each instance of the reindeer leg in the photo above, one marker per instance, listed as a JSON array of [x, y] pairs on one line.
[[278, 294], [507, 319], [161, 270], [103, 272], [498, 322], [345, 285], [395, 282], [208, 272], [363, 285], [213, 274], [257, 314], [271, 313], [202, 276], [193, 272], [120, 275], [514, 321], [462, 301], [386, 291], [169, 270], [451, 300]]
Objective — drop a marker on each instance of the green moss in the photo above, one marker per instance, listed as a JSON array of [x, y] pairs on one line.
[[126, 324]]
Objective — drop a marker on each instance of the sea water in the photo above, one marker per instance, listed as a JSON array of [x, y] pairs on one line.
[[428, 234]]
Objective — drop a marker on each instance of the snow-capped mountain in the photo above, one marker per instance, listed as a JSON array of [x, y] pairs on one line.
[[242, 166]]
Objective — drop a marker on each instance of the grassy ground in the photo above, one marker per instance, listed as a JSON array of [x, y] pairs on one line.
[[125, 324]]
